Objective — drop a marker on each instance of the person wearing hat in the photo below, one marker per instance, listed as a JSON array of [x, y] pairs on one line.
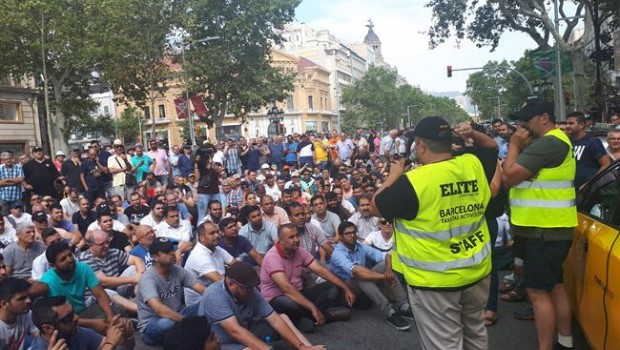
[[443, 245], [241, 317], [120, 168], [160, 293], [18, 215], [59, 159], [11, 177], [540, 170]]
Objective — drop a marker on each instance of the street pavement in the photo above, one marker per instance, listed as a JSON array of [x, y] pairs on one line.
[[367, 330]]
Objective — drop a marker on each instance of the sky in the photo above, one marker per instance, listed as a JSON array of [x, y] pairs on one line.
[[401, 27]]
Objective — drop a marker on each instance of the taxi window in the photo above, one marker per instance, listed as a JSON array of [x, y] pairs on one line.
[[601, 198]]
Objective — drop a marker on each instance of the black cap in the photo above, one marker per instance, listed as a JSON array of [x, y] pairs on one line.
[[37, 149], [161, 245], [243, 273], [433, 128], [103, 209], [39, 216], [532, 108], [17, 205]]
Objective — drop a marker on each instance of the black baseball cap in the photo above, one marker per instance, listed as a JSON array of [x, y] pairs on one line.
[[243, 273], [103, 209], [161, 245], [433, 128], [39, 216], [532, 108], [37, 149], [17, 205]]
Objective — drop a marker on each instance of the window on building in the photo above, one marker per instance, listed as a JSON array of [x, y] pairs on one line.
[[147, 112], [324, 126], [310, 125], [18, 148], [162, 111], [310, 102], [289, 103], [10, 112]]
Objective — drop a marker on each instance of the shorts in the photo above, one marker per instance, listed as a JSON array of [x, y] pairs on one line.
[[543, 262]]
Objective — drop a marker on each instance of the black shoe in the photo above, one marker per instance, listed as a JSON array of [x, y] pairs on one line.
[[559, 346], [398, 322], [526, 315], [340, 313], [305, 325], [407, 313]]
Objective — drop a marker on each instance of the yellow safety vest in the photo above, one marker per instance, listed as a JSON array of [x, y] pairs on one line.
[[448, 244], [547, 200]]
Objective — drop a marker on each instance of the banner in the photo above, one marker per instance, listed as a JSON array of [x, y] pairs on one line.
[[199, 106], [180, 104]]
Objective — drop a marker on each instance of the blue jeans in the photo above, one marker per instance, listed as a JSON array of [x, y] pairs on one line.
[[203, 200], [156, 329]]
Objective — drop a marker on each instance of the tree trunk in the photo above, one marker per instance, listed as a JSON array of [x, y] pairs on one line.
[[577, 59], [57, 122], [152, 119]]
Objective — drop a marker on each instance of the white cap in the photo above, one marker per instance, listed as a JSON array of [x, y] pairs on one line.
[[60, 153], [117, 142], [264, 166], [295, 173]]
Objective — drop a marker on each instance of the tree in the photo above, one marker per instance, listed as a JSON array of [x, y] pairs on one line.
[[484, 23], [233, 71], [128, 125], [375, 101]]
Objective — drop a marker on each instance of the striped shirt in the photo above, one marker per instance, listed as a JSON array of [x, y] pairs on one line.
[[233, 162], [14, 192], [110, 265]]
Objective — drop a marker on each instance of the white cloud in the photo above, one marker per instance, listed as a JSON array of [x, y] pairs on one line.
[[400, 24]]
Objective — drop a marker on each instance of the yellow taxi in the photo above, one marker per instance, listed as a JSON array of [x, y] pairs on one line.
[[592, 268]]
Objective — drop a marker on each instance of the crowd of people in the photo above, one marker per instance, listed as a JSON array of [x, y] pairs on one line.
[[259, 241]]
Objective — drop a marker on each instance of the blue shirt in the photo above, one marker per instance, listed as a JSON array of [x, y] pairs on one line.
[[74, 289], [291, 152], [11, 193], [344, 260], [242, 245], [144, 168], [143, 254], [93, 175], [186, 165], [262, 239], [218, 305], [83, 339], [276, 152]]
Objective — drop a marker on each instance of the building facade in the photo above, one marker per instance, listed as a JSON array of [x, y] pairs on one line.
[[20, 127]]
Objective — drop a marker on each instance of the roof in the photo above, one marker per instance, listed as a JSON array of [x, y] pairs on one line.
[[305, 64], [371, 37]]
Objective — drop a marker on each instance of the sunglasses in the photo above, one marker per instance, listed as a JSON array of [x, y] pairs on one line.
[[67, 319]]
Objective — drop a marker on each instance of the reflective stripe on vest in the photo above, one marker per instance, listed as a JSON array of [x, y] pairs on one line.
[[441, 235], [545, 184], [537, 203], [440, 266]]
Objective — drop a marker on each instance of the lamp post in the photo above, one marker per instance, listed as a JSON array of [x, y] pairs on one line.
[[190, 118], [408, 116], [275, 116]]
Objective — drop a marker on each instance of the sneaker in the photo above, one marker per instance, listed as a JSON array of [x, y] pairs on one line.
[[407, 313], [398, 322], [305, 325]]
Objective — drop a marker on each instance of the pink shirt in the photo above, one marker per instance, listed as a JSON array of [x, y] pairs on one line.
[[161, 161], [274, 261]]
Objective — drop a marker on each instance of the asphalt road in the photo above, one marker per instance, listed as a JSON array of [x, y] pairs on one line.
[[367, 330]]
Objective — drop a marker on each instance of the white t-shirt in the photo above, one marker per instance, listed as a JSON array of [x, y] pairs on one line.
[[12, 337], [306, 151], [40, 265], [116, 162], [24, 220], [69, 207], [202, 261], [116, 226], [6, 237], [375, 239], [181, 233]]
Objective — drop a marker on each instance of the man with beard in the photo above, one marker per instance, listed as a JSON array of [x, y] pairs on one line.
[[71, 279], [282, 284], [241, 317], [313, 240], [15, 321], [215, 212], [160, 293], [364, 220], [84, 217], [59, 329], [503, 136], [156, 216], [207, 260], [335, 206], [273, 213], [39, 174], [262, 234], [236, 245]]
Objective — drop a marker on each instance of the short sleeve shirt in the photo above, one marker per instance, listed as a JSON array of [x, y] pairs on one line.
[[262, 239], [275, 261], [110, 265], [169, 291], [74, 289], [13, 337], [19, 260], [161, 162], [218, 305], [202, 261], [242, 246]]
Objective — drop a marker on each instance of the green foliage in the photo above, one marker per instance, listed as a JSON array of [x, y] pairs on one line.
[[234, 72], [375, 101], [128, 125]]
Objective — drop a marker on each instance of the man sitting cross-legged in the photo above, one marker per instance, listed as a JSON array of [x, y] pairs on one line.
[[282, 284]]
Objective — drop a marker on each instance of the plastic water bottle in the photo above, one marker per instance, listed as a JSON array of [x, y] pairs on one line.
[[267, 339]]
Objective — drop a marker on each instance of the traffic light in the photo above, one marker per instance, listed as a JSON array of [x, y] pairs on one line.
[[449, 71]]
